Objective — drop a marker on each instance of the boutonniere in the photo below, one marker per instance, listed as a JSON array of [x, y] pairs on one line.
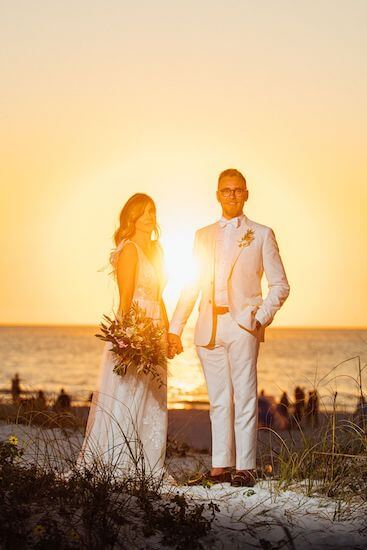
[[247, 238]]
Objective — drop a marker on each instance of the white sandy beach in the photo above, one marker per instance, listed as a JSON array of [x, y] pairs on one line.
[[265, 513]]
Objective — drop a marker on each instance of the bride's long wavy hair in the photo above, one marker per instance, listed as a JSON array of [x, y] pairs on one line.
[[130, 213]]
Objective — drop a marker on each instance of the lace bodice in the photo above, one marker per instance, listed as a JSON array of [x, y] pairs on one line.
[[149, 282]]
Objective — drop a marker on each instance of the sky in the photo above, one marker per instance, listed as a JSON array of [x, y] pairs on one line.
[[100, 100]]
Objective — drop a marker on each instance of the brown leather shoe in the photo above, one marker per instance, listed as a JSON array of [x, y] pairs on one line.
[[206, 477], [244, 478]]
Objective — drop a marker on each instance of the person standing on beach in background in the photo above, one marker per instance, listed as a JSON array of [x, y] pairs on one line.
[[15, 388], [299, 403], [312, 409], [40, 403], [63, 401], [231, 255], [284, 405]]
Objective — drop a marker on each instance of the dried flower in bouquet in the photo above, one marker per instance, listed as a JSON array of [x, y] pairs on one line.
[[137, 343]]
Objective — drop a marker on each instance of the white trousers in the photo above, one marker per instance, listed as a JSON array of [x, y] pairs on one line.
[[230, 373]]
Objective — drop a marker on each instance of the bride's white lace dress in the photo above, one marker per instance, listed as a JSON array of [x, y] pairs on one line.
[[127, 423]]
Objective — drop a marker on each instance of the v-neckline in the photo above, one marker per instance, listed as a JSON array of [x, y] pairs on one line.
[[145, 255]]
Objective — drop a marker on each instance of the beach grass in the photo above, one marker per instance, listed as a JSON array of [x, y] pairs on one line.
[[93, 507], [89, 506]]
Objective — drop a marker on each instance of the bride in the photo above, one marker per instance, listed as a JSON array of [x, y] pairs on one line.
[[127, 423]]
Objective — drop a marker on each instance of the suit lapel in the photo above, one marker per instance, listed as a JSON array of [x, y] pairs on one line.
[[212, 245], [237, 249], [207, 247]]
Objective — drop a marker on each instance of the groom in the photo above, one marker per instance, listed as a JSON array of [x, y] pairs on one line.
[[231, 256]]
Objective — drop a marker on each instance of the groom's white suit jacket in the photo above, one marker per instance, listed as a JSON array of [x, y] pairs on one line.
[[244, 282]]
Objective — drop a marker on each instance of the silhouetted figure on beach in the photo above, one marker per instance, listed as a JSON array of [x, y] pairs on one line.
[[361, 411], [284, 405], [265, 414], [269, 414], [312, 409], [299, 403], [40, 401], [63, 401], [15, 388], [267, 411]]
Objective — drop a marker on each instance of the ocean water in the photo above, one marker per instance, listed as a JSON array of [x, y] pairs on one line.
[[49, 357]]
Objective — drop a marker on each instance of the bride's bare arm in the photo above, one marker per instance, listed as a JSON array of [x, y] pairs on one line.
[[126, 273], [164, 314]]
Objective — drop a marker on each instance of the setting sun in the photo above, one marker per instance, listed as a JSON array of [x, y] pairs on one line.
[[180, 265]]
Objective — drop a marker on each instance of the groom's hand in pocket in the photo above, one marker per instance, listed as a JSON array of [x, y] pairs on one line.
[[174, 344]]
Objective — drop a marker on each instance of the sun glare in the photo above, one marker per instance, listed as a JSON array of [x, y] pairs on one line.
[[180, 265]]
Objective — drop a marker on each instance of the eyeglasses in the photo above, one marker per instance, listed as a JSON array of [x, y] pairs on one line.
[[237, 192]]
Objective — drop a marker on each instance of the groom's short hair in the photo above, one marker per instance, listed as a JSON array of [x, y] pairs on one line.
[[230, 173]]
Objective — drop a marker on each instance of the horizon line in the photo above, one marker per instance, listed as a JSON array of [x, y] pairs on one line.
[[281, 327]]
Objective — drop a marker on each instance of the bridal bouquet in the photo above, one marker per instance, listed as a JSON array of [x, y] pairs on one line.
[[137, 344]]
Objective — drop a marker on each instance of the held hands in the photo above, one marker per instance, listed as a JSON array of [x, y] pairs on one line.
[[174, 345]]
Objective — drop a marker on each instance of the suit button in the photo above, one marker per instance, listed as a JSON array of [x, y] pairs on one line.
[[210, 301]]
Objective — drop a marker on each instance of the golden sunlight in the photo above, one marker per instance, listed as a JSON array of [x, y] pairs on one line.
[[180, 265]]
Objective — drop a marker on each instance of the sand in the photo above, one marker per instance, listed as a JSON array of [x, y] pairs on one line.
[[246, 515]]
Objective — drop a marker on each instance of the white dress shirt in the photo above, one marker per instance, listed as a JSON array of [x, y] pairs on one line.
[[226, 237]]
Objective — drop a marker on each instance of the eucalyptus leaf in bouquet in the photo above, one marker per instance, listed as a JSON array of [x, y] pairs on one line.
[[136, 343]]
